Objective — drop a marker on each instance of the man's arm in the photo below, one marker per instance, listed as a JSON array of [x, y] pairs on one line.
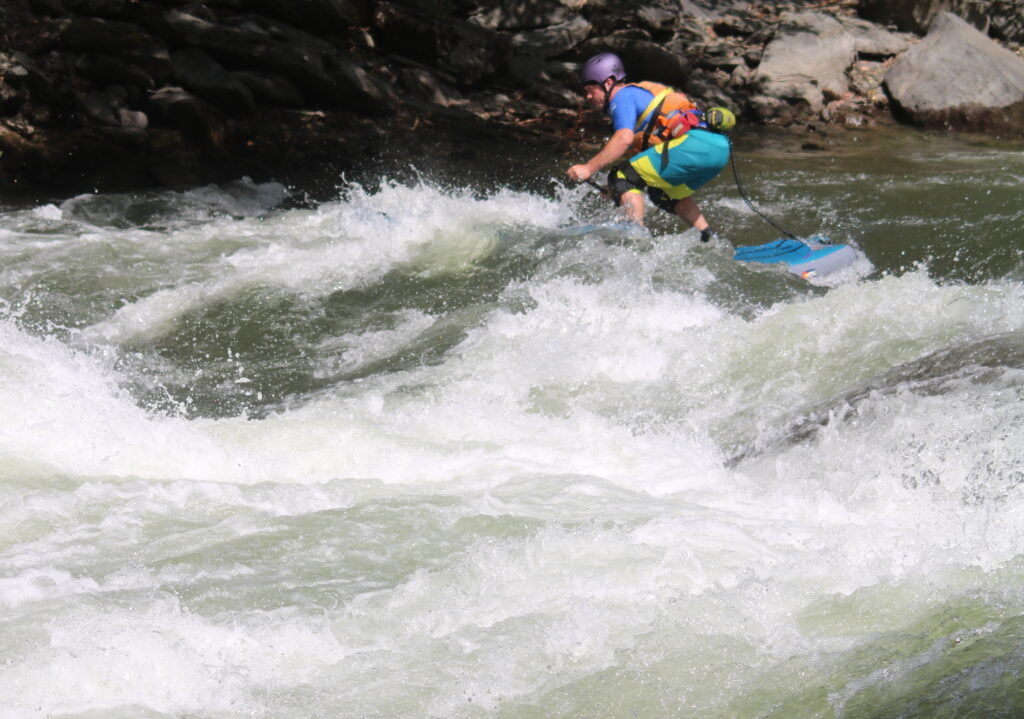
[[615, 148]]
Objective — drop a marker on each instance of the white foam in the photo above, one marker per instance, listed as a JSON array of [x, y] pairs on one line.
[[164, 659], [340, 245], [544, 514], [65, 412]]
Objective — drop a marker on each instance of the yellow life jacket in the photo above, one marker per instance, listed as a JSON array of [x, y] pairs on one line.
[[669, 115]]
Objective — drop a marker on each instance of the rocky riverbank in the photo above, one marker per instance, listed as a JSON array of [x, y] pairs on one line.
[[123, 94]]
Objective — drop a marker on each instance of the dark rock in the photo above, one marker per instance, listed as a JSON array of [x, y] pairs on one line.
[[468, 52], [155, 61], [177, 165], [772, 110], [722, 62], [43, 84], [708, 93], [88, 34], [270, 88], [550, 41], [515, 15], [176, 108], [528, 69], [958, 78], [128, 41], [556, 95], [10, 102], [1006, 20], [734, 26], [53, 8], [233, 43], [323, 16], [102, 107], [657, 19], [376, 97], [312, 65], [397, 32], [711, 9], [109, 70], [126, 10], [916, 15], [198, 73], [427, 86], [463, 49]]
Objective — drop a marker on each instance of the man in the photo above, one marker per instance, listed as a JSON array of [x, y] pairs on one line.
[[670, 150]]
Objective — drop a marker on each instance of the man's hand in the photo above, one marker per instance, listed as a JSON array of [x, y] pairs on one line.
[[613, 149], [580, 173]]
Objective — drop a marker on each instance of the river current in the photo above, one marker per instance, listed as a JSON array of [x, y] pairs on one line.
[[440, 449]]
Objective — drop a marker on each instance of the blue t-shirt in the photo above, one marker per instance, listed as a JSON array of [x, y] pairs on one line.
[[627, 106]]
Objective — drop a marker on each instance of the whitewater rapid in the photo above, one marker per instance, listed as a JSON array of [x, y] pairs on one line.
[[427, 451]]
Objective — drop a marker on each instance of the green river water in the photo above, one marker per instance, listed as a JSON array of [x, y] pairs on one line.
[[452, 448]]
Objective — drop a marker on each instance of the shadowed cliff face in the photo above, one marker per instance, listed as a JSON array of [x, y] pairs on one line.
[[116, 94]]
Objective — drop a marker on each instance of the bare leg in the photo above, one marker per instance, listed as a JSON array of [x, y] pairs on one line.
[[634, 204], [687, 209]]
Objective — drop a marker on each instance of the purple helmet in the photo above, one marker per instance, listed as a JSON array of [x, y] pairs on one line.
[[600, 67]]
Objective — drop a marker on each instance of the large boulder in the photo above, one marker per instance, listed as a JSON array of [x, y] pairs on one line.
[[807, 60], [874, 40], [916, 15], [960, 79], [1002, 19], [314, 66]]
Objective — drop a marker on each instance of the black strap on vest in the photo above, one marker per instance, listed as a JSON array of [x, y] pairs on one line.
[[664, 155], [649, 130], [651, 122]]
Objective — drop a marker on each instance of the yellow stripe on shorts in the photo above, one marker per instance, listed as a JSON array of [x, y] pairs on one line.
[[649, 173]]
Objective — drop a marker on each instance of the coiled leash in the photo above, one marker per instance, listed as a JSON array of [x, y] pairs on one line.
[[746, 198]]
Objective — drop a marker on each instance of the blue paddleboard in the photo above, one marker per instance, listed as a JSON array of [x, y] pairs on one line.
[[807, 258]]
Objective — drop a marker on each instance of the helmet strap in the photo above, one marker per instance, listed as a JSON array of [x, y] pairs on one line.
[[608, 92]]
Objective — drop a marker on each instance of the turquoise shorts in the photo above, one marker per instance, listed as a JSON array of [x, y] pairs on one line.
[[693, 161]]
